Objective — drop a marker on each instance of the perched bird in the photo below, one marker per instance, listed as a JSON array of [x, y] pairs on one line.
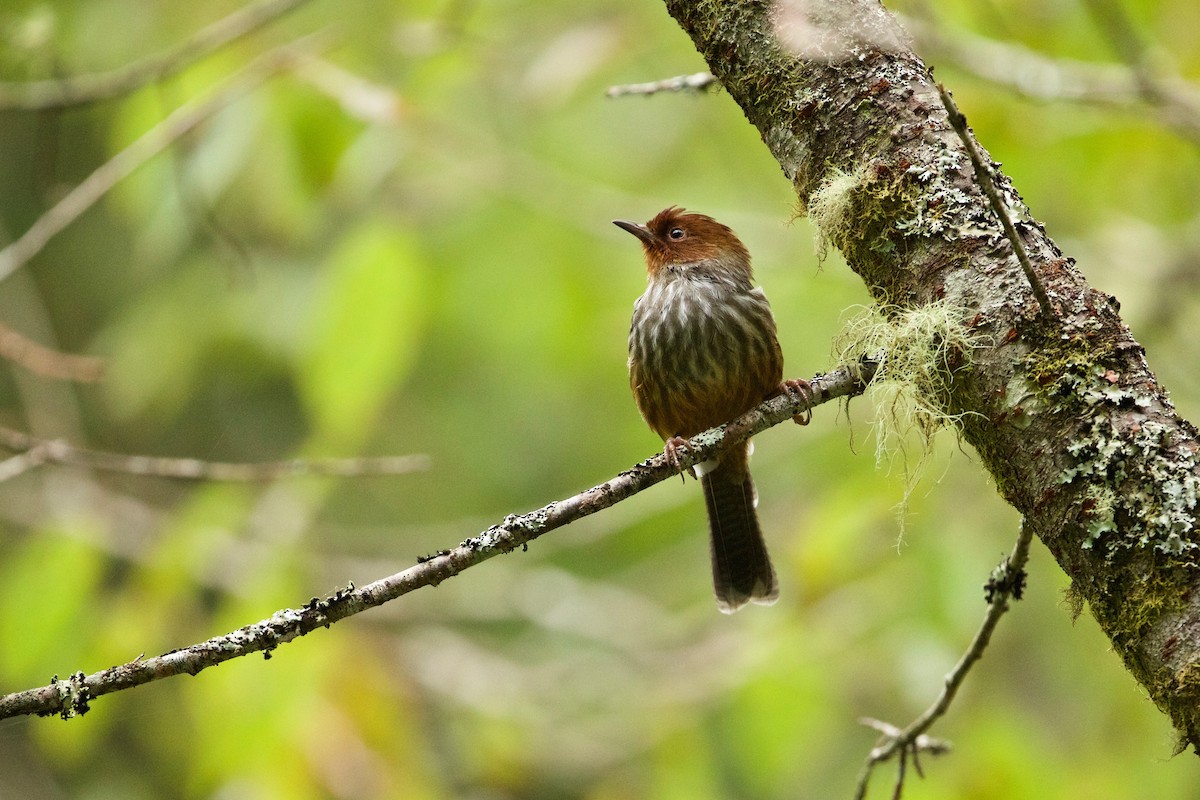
[[703, 350]]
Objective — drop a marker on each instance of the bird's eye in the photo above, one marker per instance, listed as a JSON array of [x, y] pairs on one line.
[[676, 233]]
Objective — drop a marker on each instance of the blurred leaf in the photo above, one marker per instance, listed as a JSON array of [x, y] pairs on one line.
[[51, 584], [365, 330]]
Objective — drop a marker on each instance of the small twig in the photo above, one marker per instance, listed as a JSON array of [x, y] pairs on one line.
[[1007, 580], [72, 697], [16, 465], [83, 89], [58, 451], [984, 175], [154, 141], [698, 82], [41, 360]]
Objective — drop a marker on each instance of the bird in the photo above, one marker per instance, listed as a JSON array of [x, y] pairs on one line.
[[703, 350]]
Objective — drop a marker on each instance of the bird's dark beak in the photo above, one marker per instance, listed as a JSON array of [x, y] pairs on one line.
[[636, 228]]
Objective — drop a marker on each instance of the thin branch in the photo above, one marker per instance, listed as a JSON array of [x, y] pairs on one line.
[[72, 696], [150, 144], [58, 451], [48, 363], [1007, 580], [698, 82], [21, 463], [1122, 34], [1174, 100], [983, 175], [83, 89], [1160, 86]]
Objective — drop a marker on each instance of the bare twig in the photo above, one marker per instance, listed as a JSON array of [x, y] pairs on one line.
[[120, 166], [82, 89], [61, 452], [983, 175], [1007, 580], [41, 360], [700, 81], [13, 466], [70, 697]]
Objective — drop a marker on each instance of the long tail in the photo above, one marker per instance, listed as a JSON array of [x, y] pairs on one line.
[[742, 571]]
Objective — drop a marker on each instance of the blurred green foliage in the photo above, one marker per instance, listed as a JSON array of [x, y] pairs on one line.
[[403, 246]]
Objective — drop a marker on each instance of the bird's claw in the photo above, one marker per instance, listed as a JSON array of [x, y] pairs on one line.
[[672, 448], [800, 390]]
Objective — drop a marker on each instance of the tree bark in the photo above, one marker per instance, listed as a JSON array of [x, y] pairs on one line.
[[1062, 407]]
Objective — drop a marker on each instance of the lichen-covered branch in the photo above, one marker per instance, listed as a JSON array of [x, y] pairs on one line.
[[1064, 412], [73, 695]]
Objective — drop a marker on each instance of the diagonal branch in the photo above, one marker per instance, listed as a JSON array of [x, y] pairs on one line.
[[82, 89], [72, 696], [41, 360], [1007, 580], [999, 206], [1174, 101], [154, 141]]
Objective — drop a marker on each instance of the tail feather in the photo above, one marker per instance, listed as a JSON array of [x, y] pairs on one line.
[[742, 571]]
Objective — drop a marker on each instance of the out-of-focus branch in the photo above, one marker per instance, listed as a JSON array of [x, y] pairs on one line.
[[154, 141], [82, 89], [1173, 100], [72, 696], [41, 360], [41, 451]]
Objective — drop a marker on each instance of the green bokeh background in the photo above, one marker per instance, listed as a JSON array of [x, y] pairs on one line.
[[437, 274]]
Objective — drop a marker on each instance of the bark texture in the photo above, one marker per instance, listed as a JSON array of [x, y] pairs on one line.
[[1063, 410]]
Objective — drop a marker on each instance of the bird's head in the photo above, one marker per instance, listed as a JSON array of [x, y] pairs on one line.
[[676, 239]]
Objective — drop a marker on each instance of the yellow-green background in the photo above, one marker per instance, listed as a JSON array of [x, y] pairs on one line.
[[296, 280]]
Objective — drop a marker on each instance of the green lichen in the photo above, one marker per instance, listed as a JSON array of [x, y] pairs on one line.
[[1137, 491], [1140, 492]]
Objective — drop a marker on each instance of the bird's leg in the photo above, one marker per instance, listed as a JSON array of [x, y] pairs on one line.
[[799, 389], [671, 450]]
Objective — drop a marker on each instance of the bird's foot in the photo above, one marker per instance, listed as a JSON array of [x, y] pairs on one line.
[[800, 390], [672, 450]]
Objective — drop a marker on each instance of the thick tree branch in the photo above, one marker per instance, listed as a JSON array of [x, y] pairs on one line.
[[73, 695], [1066, 415]]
